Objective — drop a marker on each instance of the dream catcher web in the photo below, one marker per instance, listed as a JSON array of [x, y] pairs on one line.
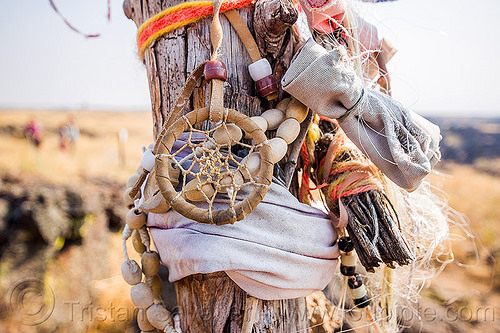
[[208, 168]]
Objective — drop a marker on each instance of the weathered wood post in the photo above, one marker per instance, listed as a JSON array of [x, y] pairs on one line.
[[213, 302]]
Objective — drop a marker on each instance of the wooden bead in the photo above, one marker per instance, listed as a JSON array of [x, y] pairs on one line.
[[260, 69], [135, 218], [279, 148], [131, 272], [148, 160], [283, 104], [296, 110], [150, 263], [267, 86], [142, 295], [132, 180], [253, 165], [274, 118], [226, 180], [159, 317], [261, 122], [137, 243], [127, 200], [143, 322], [156, 286], [289, 130], [193, 190], [223, 136], [215, 69]]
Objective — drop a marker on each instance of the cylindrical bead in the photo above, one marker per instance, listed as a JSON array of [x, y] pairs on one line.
[[267, 86], [148, 160], [215, 69], [348, 259], [347, 270], [288, 130], [279, 148], [358, 292], [260, 69], [131, 272], [193, 190], [135, 218], [345, 244], [226, 133], [137, 243], [362, 302], [296, 110], [150, 263], [132, 180], [142, 295], [159, 317], [274, 118], [261, 122]]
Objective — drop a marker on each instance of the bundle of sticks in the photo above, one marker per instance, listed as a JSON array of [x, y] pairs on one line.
[[353, 191]]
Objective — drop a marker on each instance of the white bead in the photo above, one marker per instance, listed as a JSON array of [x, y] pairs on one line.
[[143, 323], [148, 160], [288, 130], [296, 110], [131, 272], [226, 180], [135, 218], [253, 165], [279, 148], [260, 69], [142, 295], [358, 292], [274, 118], [283, 104], [223, 136], [132, 180], [127, 200], [150, 263], [159, 317], [261, 122], [348, 260], [191, 192]]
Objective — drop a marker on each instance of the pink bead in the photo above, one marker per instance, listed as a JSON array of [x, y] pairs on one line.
[[267, 86], [215, 69]]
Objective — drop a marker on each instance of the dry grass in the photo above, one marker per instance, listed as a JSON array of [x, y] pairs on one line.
[[94, 155]]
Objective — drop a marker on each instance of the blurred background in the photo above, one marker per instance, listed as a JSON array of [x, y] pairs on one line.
[[75, 112]]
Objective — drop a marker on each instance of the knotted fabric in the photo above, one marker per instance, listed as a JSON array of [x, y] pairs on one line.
[[402, 144], [282, 249]]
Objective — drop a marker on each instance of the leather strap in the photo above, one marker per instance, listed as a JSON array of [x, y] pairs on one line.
[[244, 33]]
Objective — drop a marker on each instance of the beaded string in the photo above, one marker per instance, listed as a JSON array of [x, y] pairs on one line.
[[178, 16]]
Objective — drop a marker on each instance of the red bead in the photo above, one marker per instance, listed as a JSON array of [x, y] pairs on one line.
[[267, 86], [215, 69]]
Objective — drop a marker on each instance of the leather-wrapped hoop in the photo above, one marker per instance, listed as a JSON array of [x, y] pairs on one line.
[[242, 208]]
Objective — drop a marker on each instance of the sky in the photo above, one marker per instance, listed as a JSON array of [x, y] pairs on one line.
[[446, 65]]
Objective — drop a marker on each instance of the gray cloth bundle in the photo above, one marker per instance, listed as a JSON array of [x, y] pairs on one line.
[[283, 249], [402, 144]]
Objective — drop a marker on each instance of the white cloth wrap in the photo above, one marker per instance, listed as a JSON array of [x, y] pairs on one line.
[[283, 249], [402, 144]]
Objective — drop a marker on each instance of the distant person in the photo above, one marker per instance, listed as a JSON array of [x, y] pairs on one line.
[[34, 132], [63, 137], [72, 132]]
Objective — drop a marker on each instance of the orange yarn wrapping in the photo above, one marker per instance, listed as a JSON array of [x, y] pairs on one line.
[[178, 16]]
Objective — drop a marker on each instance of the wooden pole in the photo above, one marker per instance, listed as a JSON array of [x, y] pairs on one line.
[[213, 302]]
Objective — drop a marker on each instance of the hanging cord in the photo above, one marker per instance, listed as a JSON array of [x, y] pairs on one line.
[[72, 27]]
